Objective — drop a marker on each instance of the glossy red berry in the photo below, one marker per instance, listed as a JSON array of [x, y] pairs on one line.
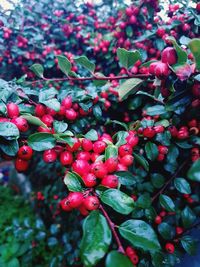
[[134, 259], [64, 204], [67, 102], [127, 160], [89, 180], [47, 119], [110, 181], [87, 144], [91, 203], [49, 156], [25, 152], [83, 210], [132, 140], [170, 248], [21, 165], [149, 132], [162, 149], [85, 155], [125, 150], [40, 110], [159, 129], [21, 123], [99, 147], [75, 199], [111, 164], [159, 69], [66, 158], [158, 219], [169, 56], [81, 167], [160, 157], [130, 251], [179, 230], [12, 110], [99, 169], [71, 114]]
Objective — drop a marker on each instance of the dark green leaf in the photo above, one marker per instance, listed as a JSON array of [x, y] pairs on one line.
[[9, 147], [118, 200], [156, 110], [128, 58], [128, 87], [96, 239], [140, 234], [117, 259], [41, 141], [189, 245], [144, 201], [84, 61], [164, 138], [167, 203], [194, 172], [97, 112], [92, 135], [33, 120], [38, 70], [9, 130], [64, 64], [142, 161], [59, 126], [14, 262], [73, 182], [166, 231], [151, 150], [99, 82], [121, 138], [182, 185], [188, 217], [157, 180], [52, 103], [125, 178]]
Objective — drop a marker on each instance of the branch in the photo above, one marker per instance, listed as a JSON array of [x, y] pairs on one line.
[[168, 182], [112, 227], [93, 78]]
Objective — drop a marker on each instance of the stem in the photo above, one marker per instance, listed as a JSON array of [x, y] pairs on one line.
[[112, 227], [168, 182], [93, 78]]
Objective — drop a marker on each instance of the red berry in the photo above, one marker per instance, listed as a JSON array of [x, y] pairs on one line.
[[134, 259], [49, 156], [132, 140], [130, 251], [169, 248], [99, 147], [43, 130], [40, 110], [121, 167], [162, 149], [159, 129], [173, 130], [179, 230], [89, 180], [159, 69], [67, 102], [94, 156], [110, 181], [158, 219], [64, 203], [91, 203], [21, 124], [71, 114], [83, 155], [47, 119], [75, 199], [83, 210], [160, 157], [21, 165], [111, 164], [149, 132], [25, 152], [75, 146], [182, 134], [99, 169], [12, 110], [169, 56], [87, 144], [81, 167], [66, 158], [127, 160], [125, 150]]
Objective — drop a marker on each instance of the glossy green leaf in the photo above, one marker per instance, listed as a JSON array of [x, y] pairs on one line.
[[73, 182], [96, 239], [128, 87], [140, 234], [156, 110], [111, 152], [182, 185], [126, 178], [9, 147], [151, 150], [181, 54], [121, 138], [92, 135], [188, 217], [64, 64], [189, 245], [33, 120], [194, 172], [144, 201], [194, 46], [85, 62], [60, 126], [157, 180], [167, 203], [166, 231], [142, 161], [128, 58], [52, 103], [38, 70], [118, 200], [117, 259], [41, 141], [9, 130]]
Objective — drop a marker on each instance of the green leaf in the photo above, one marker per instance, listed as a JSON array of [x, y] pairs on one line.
[[151, 150], [97, 112], [73, 182], [14, 262], [84, 61], [38, 70], [33, 120], [157, 180], [65, 137], [64, 64], [52, 103], [156, 110], [118, 200], [117, 259], [111, 152], [194, 47], [189, 245], [121, 138], [59, 126], [9, 130], [142, 161], [9, 147], [182, 186], [166, 231], [140, 234], [41, 141], [181, 54], [125, 178], [144, 201], [128, 58], [188, 217], [167, 203], [194, 172], [96, 239], [164, 138], [92, 135], [100, 82], [128, 87]]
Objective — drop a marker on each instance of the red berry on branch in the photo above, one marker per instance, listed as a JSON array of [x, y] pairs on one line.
[[99, 147], [81, 167], [111, 164], [12, 110], [75, 199], [66, 158], [158, 220], [89, 180], [170, 248], [110, 181], [49, 156], [21, 165], [21, 123], [99, 169], [91, 203], [25, 152], [169, 56], [87, 144], [149, 132]]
